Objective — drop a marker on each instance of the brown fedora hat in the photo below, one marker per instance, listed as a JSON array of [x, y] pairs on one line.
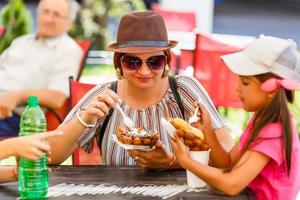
[[141, 32]]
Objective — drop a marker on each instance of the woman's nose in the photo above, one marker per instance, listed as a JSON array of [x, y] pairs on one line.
[[144, 69]]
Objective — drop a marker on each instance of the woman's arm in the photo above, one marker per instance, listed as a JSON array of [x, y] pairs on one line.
[[98, 108], [63, 147], [231, 183]]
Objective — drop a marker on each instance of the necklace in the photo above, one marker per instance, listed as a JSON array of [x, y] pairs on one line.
[[158, 100]]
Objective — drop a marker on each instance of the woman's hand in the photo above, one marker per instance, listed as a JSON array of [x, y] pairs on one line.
[[31, 147], [180, 150], [204, 120], [99, 106], [155, 159]]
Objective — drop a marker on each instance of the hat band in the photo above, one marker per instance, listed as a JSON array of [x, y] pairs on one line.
[[143, 44]]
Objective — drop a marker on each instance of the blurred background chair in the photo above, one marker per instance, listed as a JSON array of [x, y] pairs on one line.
[[212, 73], [80, 157], [85, 46], [2, 31], [177, 21], [55, 117]]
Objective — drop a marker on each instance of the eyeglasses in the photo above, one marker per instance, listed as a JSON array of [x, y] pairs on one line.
[[54, 14], [134, 63]]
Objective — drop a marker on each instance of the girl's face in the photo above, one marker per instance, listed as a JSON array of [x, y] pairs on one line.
[[250, 94], [143, 70]]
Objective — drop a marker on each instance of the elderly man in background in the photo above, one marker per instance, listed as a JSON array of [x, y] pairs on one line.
[[39, 64]]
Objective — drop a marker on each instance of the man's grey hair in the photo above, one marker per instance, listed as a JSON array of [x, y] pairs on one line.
[[74, 8]]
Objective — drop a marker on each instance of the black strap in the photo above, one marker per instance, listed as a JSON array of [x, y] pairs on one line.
[[113, 87], [173, 86]]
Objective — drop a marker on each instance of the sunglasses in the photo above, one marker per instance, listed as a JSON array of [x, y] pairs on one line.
[[134, 63]]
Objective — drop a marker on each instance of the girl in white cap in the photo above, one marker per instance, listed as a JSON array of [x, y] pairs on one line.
[[267, 157]]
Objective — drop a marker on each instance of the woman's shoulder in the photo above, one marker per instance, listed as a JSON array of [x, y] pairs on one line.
[[184, 79], [189, 83]]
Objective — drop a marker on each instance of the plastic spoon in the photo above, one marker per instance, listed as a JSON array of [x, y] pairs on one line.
[[127, 121], [168, 126], [194, 117]]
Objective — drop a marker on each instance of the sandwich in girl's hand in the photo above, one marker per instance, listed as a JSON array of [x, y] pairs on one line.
[[137, 136], [193, 137]]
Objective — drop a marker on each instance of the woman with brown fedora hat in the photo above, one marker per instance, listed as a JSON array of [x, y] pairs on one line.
[[145, 93]]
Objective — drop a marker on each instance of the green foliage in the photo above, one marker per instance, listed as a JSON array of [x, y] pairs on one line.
[[92, 21], [17, 21]]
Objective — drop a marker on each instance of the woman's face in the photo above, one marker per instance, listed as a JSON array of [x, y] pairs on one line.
[[143, 69], [250, 93]]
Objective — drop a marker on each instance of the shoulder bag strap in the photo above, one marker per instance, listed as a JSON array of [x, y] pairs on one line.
[[113, 87], [173, 86]]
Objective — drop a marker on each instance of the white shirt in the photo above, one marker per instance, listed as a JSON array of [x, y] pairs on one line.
[[39, 64]]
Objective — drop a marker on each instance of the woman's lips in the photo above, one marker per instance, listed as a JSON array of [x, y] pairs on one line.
[[143, 79]]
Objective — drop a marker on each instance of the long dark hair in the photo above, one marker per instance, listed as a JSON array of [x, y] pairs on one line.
[[276, 111]]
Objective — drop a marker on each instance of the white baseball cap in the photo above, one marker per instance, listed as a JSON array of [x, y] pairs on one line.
[[266, 54]]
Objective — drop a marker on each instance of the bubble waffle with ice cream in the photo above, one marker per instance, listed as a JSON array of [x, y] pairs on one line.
[[192, 137], [137, 136]]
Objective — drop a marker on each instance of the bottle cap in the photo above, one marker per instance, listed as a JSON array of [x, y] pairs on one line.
[[32, 101]]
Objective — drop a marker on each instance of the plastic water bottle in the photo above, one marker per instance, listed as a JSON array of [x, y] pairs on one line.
[[33, 175]]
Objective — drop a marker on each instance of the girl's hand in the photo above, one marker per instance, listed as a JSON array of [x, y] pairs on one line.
[[204, 121], [31, 147], [15, 170], [99, 106], [155, 159], [180, 150]]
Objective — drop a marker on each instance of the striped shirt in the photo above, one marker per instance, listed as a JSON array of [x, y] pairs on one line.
[[189, 89]]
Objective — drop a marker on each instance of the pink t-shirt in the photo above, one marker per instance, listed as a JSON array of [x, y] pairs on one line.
[[273, 183]]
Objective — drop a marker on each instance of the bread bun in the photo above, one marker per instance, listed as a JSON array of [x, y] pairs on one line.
[[193, 137], [183, 126]]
